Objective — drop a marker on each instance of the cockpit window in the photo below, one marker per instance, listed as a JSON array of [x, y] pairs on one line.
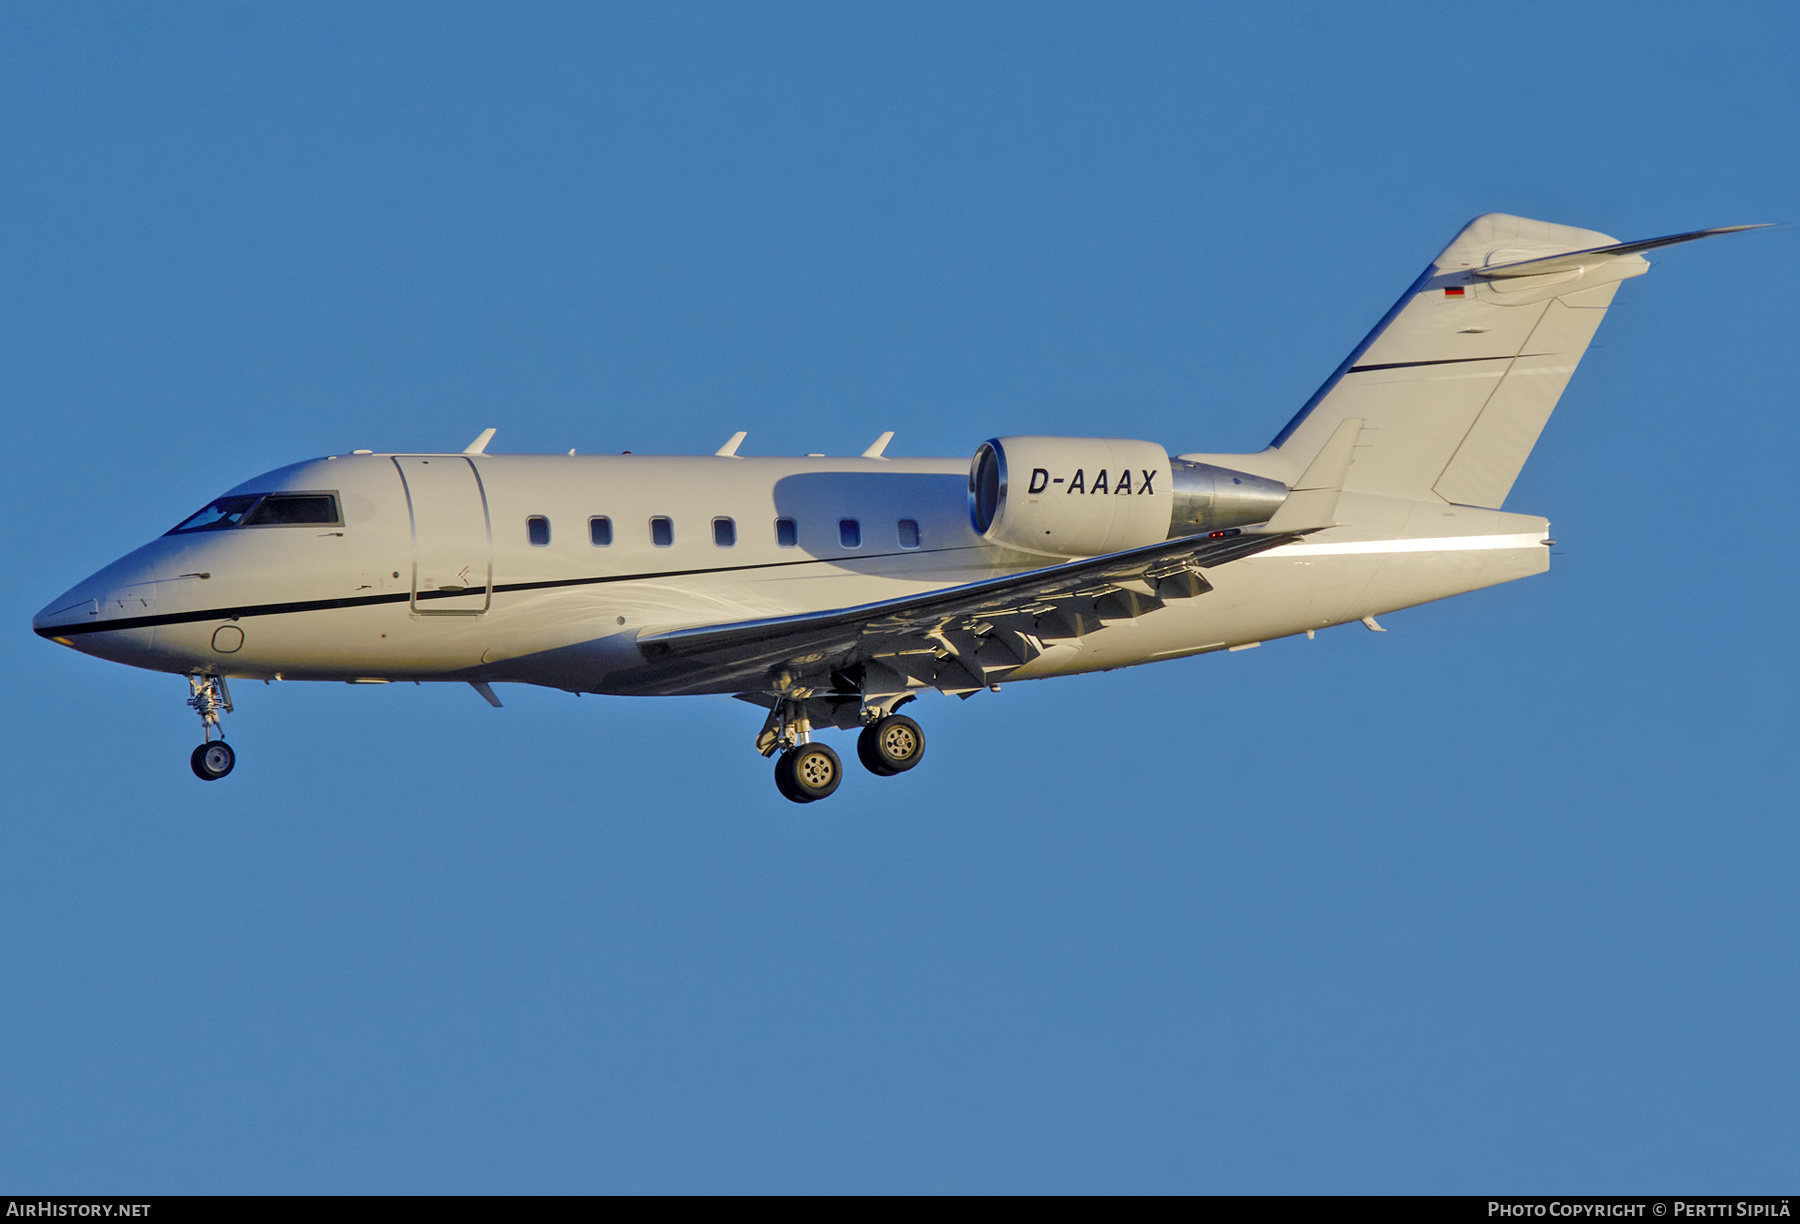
[[266, 510], [294, 510], [226, 512]]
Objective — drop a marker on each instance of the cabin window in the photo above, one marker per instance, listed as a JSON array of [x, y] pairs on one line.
[[538, 528], [724, 532], [786, 534], [662, 532], [600, 531], [850, 533], [909, 533]]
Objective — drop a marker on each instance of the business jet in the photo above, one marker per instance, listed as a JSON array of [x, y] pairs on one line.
[[833, 591]]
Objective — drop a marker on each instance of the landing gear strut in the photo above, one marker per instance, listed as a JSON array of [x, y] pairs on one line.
[[209, 697], [804, 771]]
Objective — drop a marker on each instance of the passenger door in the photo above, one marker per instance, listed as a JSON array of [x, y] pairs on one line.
[[453, 546]]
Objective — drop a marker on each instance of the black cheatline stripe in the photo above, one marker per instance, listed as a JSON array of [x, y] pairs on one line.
[[686, 573], [182, 618], [1401, 365], [364, 601]]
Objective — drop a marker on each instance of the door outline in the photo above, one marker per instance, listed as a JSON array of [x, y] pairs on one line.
[[412, 517]]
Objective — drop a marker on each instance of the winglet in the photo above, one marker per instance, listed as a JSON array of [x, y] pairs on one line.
[[729, 450], [1312, 503], [486, 690], [479, 445], [879, 445]]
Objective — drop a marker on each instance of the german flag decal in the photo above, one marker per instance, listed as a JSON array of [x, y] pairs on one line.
[[1453, 291]]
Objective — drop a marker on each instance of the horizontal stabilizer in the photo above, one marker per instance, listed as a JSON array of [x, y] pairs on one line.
[[1577, 260]]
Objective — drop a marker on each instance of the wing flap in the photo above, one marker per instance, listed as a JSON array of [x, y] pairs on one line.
[[957, 639]]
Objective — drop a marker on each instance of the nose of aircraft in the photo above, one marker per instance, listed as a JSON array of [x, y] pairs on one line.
[[123, 590], [79, 605], [116, 598], [108, 615]]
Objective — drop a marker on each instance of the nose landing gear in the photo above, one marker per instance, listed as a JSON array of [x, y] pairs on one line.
[[209, 697]]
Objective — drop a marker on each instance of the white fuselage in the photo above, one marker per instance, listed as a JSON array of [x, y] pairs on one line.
[[367, 599]]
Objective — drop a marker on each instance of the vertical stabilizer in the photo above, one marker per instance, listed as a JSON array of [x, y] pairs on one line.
[[1456, 383]]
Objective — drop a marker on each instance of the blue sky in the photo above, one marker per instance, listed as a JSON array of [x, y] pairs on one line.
[[1501, 900]]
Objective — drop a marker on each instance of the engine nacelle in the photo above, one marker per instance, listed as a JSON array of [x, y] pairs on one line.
[[1070, 497], [1081, 497]]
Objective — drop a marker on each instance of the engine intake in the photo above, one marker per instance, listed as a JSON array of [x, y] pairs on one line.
[[1081, 497]]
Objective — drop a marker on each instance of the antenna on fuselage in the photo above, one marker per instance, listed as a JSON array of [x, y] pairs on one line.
[[879, 445], [479, 445], [729, 450]]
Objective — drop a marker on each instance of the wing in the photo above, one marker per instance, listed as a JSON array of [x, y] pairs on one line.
[[959, 639]]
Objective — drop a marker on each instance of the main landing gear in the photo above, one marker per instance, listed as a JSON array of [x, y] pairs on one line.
[[805, 771], [213, 759], [891, 745]]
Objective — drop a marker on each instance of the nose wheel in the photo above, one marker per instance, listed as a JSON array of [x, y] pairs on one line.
[[212, 761]]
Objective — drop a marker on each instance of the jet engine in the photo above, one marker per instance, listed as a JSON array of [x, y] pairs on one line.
[[1081, 497]]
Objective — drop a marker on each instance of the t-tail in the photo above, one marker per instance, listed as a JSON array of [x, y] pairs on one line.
[[1456, 382]]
